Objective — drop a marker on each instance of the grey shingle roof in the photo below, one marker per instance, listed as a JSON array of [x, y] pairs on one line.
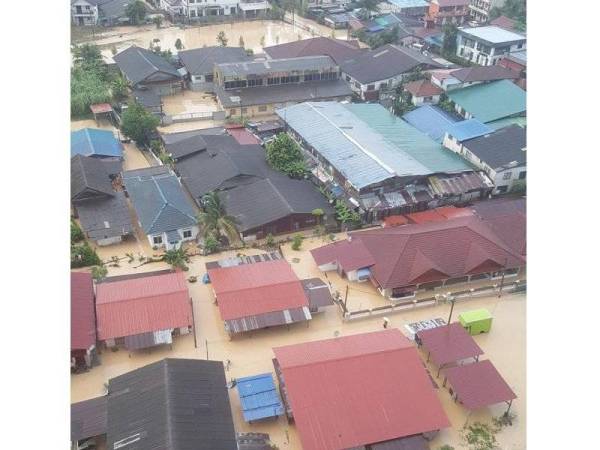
[[159, 201], [105, 217], [385, 62], [500, 148], [139, 64], [276, 65], [336, 49], [299, 92], [147, 98], [484, 73], [89, 177], [200, 61], [173, 404], [185, 147]]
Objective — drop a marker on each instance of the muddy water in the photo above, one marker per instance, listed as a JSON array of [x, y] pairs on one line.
[[274, 32], [251, 354]]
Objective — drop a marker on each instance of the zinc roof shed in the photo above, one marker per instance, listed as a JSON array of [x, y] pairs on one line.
[[357, 390], [468, 129], [492, 35], [491, 101], [430, 120], [95, 142], [258, 397]]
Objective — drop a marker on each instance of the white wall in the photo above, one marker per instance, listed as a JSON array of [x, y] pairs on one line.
[[499, 178], [195, 230], [421, 100], [472, 54]]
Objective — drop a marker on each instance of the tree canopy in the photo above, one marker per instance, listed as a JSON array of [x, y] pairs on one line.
[[88, 57], [449, 40], [284, 154], [215, 220], [513, 9], [138, 124], [136, 12], [222, 39]]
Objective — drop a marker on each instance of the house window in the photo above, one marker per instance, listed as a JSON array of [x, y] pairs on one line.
[[209, 78], [507, 175], [522, 175], [262, 108], [370, 87], [427, 99], [502, 189], [157, 240], [187, 234], [233, 112], [347, 78], [244, 110]]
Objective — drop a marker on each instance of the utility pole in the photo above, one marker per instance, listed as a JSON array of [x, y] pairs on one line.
[[502, 279], [452, 301], [346, 299]]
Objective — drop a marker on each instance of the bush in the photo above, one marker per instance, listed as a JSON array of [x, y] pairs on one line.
[[138, 124], [99, 272], [270, 242], [297, 242], [479, 436], [285, 155], [87, 87], [84, 256], [211, 244], [76, 233]]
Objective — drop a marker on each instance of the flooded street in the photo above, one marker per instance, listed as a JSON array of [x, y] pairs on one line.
[[252, 32], [252, 353]]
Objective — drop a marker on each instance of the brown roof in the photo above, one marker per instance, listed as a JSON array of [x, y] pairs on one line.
[[484, 73], [337, 49], [453, 248], [422, 88], [448, 344], [349, 255], [504, 22], [83, 322], [478, 385], [317, 292]]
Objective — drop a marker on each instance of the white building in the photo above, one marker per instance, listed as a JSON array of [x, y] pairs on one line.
[[480, 9], [488, 45], [84, 12], [195, 9]]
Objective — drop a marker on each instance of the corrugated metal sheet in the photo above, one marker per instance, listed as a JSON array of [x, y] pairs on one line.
[[270, 319], [357, 390], [141, 305], [478, 385], [147, 340], [448, 344], [83, 323], [317, 292], [88, 418], [258, 397], [468, 129], [431, 120]]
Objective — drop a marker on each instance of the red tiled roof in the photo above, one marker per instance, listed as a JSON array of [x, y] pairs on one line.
[[422, 88], [100, 108], [430, 215], [350, 255], [452, 212], [478, 385], [253, 289], [504, 22], [243, 136], [394, 221], [449, 344], [443, 247], [83, 323], [141, 305], [356, 390]]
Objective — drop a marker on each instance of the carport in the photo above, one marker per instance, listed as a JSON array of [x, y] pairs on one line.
[[101, 110]]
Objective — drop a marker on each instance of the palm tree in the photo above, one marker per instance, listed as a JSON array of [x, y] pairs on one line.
[[215, 220]]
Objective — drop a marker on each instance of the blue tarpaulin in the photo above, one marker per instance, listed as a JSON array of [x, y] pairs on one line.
[[258, 397]]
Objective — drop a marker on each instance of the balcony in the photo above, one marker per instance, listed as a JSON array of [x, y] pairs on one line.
[[84, 13]]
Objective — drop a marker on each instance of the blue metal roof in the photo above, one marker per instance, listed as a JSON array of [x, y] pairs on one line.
[[95, 142], [430, 120], [468, 129], [160, 202], [258, 397], [368, 144]]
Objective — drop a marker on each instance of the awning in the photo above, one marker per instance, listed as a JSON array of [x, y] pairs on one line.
[[99, 108], [147, 340], [258, 397], [448, 344]]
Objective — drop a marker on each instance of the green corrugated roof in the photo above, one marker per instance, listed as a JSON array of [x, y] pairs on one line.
[[475, 315], [412, 142], [491, 101]]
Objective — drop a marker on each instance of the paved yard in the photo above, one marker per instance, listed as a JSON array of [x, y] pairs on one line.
[[189, 102]]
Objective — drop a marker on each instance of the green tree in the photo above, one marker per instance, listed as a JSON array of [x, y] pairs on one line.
[[214, 219], [178, 44], [119, 88], [138, 124], [446, 104], [83, 256], [318, 213], [285, 155], [211, 245], [222, 39], [177, 257], [345, 215], [297, 242], [262, 41], [76, 233], [514, 9], [87, 87], [270, 241], [446, 447], [370, 6], [99, 272], [88, 57], [157, 20], [449, 39], [136, 12], [479, 436], [241, 42]]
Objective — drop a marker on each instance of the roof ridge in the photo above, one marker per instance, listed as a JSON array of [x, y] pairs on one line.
[[146, 59], [280, 195], [168, 405]]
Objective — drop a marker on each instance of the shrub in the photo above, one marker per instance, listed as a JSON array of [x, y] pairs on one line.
[[76, 233], [99, 272], [177, 257], [211, 244], [270, 242], [479, 436], [285, 155], [297, 242], [84, 256]]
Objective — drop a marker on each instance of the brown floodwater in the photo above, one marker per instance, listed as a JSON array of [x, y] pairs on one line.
[[252, 353]]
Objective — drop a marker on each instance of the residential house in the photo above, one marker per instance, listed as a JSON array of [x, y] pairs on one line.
[[502, 155], [202, 9], [200, 63], [336, 21], [490, 102], [384, 68], [253, 8], [378, 163], [517, 62], [249, 89], [505, 22], [457, 133], [487, 45], [337, 49], [101, 210], [431, 121], [480, 9], [84, 12], [409, 8], [258, 292], [88, 422], [441, 12], [97, 143], [150, 100], [171, 404], [145, 70], [412, 259], [262, 200], [83, 320], [470, 76], [164, 211], [143, 310], [317, 376], [423, 92]]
